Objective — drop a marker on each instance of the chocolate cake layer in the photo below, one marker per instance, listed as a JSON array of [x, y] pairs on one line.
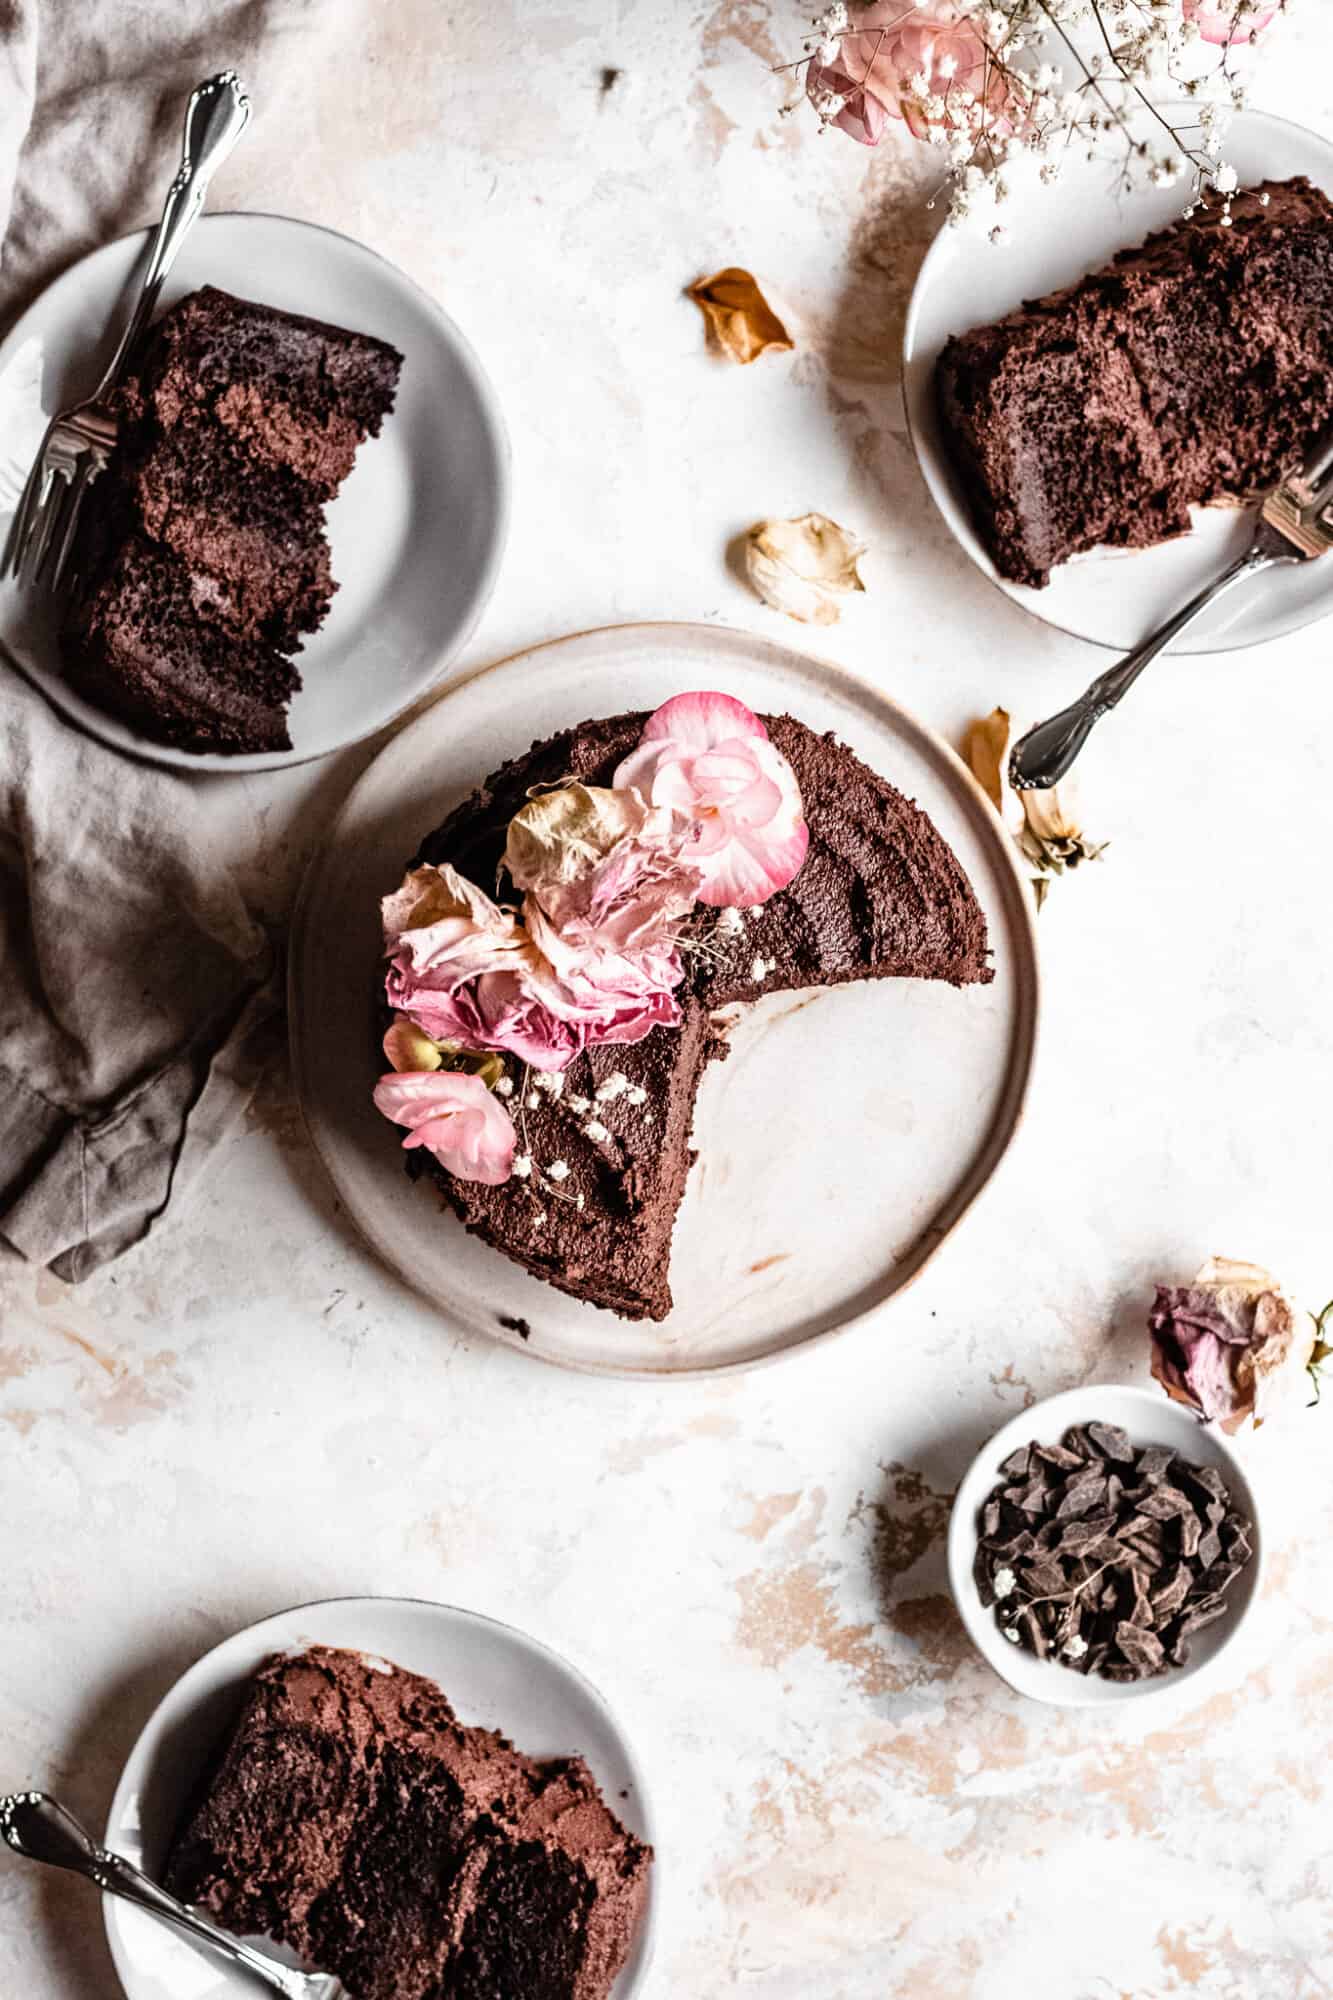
[[879, 896], [1194, 369], [292, 391], [142, 638], [258, 530], [351, 1816], [239, 424]]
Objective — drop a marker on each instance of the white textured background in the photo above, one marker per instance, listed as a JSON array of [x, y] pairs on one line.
[[247, 1412]]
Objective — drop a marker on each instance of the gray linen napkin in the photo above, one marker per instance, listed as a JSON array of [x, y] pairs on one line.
[[138, 1001], [138, 998]]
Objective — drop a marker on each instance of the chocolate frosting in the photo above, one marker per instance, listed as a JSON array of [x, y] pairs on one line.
[[880, 895]]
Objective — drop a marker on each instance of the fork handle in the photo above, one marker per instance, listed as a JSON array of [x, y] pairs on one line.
[[1041, 758], [215, 117], [37, 1826]]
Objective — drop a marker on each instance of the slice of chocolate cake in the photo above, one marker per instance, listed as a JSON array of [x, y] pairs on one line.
[[239, 424], [880, 895], [1192, 370], [351, 1816]]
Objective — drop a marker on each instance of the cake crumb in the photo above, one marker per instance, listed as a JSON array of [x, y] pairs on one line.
[[730, 921], [558, 1170], [578, 1105], [522, 1166], [551, 1080], [504, 1087], [596, 1131], [533, 1101], [615, 1086], [637, 1094], [760, 969]]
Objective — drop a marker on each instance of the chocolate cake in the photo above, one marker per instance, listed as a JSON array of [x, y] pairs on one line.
[[880, 895], [203, 558], [1195, 369], [352, 1817]]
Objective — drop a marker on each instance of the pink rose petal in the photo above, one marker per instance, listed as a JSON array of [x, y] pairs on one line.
[[454, 1115]]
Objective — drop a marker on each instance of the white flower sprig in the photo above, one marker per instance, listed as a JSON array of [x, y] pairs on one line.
[[985, 81]]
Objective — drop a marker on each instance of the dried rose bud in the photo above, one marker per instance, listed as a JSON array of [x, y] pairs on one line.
[[1233, 1345]]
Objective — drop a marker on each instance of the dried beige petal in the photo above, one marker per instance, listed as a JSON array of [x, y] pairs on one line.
[[561, 833], [802, 567], [739, 317], [987, 752]]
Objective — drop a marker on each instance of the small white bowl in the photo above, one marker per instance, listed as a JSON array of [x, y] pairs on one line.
[[1149, 1418]]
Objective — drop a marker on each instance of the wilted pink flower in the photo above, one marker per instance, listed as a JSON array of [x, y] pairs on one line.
[[455, 1117], [709, 758], [897, 57], [1232, 1344], [1224, 22]]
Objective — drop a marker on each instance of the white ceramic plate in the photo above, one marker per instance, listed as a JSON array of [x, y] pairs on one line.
[[840, 1143], [493, 1675], [417, 531], [1115, 597], [1150, 1418]]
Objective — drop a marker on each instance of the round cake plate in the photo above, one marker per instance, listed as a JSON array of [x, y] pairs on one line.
[[840, 1143], [1115, 597], [493, 1675], [417, 530]]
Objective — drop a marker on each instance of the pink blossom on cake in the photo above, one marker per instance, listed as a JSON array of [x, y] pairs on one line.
[[455, 1117], [710, 760]]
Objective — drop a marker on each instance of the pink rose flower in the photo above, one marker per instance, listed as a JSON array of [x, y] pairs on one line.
[[1232, 1345], [709, 759], [455, 1117], [1225, 22], [879, 66]]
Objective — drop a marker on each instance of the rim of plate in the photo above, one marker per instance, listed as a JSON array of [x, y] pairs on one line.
[[211, 764], [961, 1539], [199, 1670], [999, 1137], [981, 561]]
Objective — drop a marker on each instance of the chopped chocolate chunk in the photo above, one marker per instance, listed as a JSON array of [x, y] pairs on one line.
[[1112, 1442], [1140, 1647], [1154, 1463], [1210, 1548], [1016, 1465]]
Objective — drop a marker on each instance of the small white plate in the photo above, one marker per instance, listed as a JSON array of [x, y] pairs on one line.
[[1114, 597], [417, 530], [840, 1144], [1150, 1418], [493, 1675]]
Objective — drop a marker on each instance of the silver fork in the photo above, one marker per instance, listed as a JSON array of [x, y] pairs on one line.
[[36, 1826], [79, 441], [1295, 524]]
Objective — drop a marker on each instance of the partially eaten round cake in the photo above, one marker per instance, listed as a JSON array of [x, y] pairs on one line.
[[547, 1052]]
